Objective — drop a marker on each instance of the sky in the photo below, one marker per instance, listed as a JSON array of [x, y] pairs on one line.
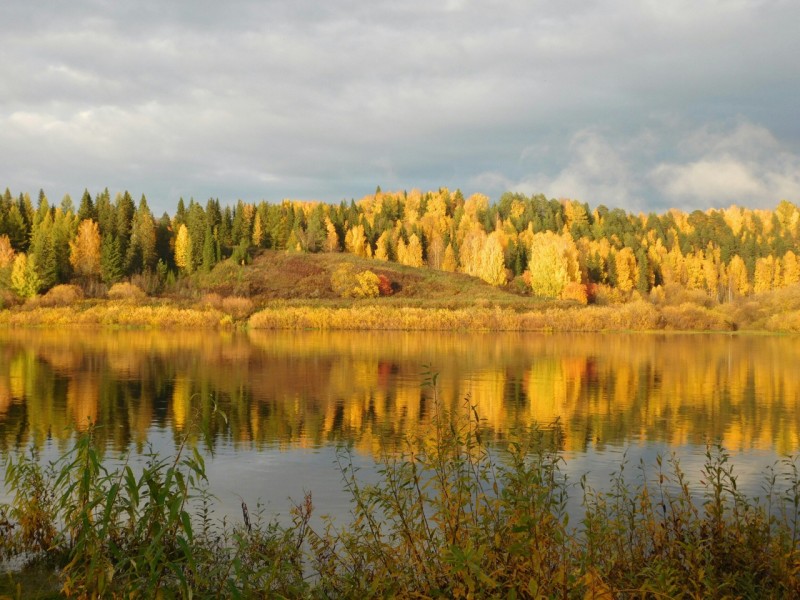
[[641, 105]]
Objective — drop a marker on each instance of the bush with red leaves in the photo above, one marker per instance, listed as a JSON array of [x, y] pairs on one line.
[[384, 286]]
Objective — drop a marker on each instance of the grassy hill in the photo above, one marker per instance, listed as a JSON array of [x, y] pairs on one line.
[[303, 278]]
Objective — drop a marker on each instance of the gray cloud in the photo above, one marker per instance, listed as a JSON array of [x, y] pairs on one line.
[[612, 102]]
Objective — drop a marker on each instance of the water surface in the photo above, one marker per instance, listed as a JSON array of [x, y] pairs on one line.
[[290, 398]]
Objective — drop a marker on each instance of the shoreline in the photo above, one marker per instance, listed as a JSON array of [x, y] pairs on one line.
[[637, 316]]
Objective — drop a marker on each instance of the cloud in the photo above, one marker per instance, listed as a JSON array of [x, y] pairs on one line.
[[594, 169], [270, 99], [746, 165]]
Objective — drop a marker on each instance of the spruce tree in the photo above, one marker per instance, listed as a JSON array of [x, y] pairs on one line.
[[208, 250], [110, 259], [86, 210]]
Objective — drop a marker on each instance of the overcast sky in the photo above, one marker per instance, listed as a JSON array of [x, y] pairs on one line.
[[639, 104]]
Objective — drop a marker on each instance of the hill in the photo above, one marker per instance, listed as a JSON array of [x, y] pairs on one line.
[[300, 278]]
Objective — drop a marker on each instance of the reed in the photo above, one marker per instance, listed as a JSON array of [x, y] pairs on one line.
[[115, 313], [636, 316]]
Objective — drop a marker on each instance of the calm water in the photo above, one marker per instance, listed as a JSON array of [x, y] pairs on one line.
[[292, 397]]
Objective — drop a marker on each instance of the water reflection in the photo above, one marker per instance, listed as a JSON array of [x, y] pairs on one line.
[[308, 390]]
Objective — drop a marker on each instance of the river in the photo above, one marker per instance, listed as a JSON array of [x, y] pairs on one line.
[[269, 409]]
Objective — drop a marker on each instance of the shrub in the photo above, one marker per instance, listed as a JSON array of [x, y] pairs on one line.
[[117, 534], [126, 291], [575, 291], [385, 286], [238, 308], [346, 283], [211, 300], [605, 295], [62, 295], [453, 517], [788, 322], [7, 299], [367, 285], [150, 282], [674, 294], [690, 317], [343, 280]]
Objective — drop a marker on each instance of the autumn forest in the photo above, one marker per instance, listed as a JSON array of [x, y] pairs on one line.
[[530, 246]]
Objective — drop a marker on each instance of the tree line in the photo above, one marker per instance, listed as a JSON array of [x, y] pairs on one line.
[[552, 248]]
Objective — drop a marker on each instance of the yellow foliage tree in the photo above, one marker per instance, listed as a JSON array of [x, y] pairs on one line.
[[553, 264], [24, 276], [734, 218], [183, 249], [738, 283], [695, 279], [356, 242], [435, 251], [435, 220], [625, 262], [412, 207], [713, 270], [575, 213], [331, 237], [449, 263], [764, 274], [475, 204], [84, 250], [6, 252], [492, 268], [409, 254], [258, 231], [471, 250], [343, 279], [413, 252], [791, 269], [7, 255], [382, 246]]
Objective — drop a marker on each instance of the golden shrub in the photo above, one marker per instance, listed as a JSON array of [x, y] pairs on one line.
[[126, 291], [690, 317], [62, 295], [343, 279], [575, 291], [367, 285], [237, 307], [211, 300], [788, 322], [605, 294]]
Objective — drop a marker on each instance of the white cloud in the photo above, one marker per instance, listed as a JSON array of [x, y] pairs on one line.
[[723, 180], [596, 171], [746, 165]]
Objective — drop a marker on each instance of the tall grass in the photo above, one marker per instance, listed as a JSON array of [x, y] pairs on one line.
[[450, 516], [115, 313], [638, 316], [116, 533]]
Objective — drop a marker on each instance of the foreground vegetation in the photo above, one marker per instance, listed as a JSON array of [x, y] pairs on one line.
[[450, 515]]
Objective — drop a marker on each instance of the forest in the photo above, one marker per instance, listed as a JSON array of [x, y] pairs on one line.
[[531, 245]]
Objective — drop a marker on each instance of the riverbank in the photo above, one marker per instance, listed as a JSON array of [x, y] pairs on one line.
[[286, 291], [295, 291], [771, 314]]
